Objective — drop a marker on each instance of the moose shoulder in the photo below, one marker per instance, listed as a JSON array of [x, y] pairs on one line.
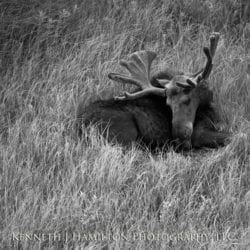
[[169, 108]]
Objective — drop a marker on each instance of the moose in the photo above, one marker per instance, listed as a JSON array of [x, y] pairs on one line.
[[169, 108]]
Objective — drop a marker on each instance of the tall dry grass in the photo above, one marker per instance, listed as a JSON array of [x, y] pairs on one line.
[[54, 54]]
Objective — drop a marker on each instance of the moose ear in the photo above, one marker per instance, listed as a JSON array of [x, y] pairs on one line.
[[189, 84], [183, 85], [163, 82]]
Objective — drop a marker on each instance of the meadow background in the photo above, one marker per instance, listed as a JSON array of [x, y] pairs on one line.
[[54, 54]]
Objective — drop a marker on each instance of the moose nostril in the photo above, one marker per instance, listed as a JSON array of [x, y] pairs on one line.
[[182, 133], [187, 132]]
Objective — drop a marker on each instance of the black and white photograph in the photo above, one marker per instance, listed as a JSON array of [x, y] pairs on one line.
[[124, 124]]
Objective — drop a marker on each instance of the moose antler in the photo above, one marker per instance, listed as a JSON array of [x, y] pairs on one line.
[[209, 52], [192, 80], [138, 65], [214, 39]]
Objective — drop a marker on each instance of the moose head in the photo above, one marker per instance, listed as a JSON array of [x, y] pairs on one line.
[[184, 93]]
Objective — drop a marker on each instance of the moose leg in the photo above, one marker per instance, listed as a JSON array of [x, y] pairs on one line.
[[205, 137]]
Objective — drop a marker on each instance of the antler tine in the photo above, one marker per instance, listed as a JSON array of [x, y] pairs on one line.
[[209, 65], [214, 39], [138, 65]]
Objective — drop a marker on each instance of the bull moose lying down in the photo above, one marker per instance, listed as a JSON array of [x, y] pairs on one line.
[[170, 108]]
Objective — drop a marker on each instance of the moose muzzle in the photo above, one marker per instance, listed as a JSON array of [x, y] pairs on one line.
[[182, 133]]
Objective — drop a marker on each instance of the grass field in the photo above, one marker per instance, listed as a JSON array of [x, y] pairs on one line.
[[59, 193]]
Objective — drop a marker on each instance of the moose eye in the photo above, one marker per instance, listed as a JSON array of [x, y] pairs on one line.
[[174, 92], [187, 101]]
